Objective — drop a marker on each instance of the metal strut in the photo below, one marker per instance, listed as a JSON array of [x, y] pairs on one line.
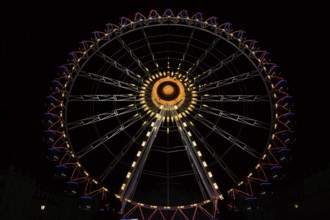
[[205, 53], [108, 80], [125, 149], [107, 136], [234, 98], [228, 81], [134, 57], [150, 50], [215, 68], [235, 117], [187, 48], [200, 165], [131, 180], [103, 98], [228, 137], [217, 158], [120, 67], [102, 116]]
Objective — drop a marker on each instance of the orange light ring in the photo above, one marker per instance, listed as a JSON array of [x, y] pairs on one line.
[[168, 90]]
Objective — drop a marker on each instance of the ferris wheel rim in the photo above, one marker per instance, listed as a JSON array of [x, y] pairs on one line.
[[247, 56]]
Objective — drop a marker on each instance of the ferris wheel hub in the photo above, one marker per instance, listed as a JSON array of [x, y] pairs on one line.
[[168, 91]]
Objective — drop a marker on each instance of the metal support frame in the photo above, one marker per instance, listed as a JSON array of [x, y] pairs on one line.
[[103, 98], [198, 164], [228, 137], [233, 98], [220, 65], [107, 136], [102, 116], [134, 57], [228, 81], [108, 80], [235, 117], [131, 180]]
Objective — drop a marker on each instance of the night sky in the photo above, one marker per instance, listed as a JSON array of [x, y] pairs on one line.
[[36, 39]]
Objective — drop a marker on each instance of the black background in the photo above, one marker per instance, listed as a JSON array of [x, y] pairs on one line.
[[35, 39]]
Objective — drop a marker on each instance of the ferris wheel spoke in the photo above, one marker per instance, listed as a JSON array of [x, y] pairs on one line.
[[103, 98], [187, 48], [228, 81], [196, 157], [102, 116], [216, 157], [220, 65], [134, 57], [202, 57], [235, 117], [133, 176], [109, 81], [107, 136], [122, 153], [149, 48], [235, 141], [198, 178], [233, 98], [120, 67]]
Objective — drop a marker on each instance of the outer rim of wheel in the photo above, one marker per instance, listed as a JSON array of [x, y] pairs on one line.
[[224, 31]]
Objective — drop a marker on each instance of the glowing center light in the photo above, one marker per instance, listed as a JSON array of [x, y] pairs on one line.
[[168, 91]]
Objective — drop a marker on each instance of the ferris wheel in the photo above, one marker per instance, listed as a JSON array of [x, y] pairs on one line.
[[172, 114]]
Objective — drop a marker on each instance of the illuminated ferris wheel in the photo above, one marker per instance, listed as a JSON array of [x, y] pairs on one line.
[[172, 113]]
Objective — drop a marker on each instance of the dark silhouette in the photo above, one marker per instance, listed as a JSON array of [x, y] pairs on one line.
[[228, 209], [109, 208]]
